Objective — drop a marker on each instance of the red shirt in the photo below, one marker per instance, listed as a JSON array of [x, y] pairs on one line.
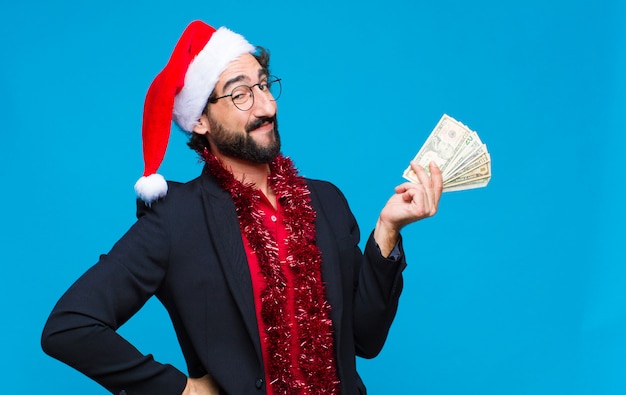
[[272, 220]]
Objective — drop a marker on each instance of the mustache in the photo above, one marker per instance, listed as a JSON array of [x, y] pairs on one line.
[[257, 123]]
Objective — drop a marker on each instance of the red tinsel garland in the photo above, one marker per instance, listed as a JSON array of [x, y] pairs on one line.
[[312, 312]]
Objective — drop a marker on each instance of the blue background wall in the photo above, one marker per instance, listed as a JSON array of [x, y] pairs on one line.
[[518, 288]]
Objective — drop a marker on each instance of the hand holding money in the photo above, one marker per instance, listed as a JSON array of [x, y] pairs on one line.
[[458, 152], [410, 202]]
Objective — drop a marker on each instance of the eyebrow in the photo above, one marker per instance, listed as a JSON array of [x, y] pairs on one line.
[[262, 73]]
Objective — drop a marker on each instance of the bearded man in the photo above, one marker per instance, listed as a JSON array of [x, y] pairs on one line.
[[259, 268]]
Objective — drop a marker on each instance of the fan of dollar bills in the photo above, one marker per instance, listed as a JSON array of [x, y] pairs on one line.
[[459, 153]]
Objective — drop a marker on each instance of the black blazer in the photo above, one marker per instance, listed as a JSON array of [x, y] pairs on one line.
[[187, 250]]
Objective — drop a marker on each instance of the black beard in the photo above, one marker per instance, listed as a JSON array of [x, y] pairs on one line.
[[241, 146]]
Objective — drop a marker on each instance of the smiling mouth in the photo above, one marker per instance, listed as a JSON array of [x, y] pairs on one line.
[[261, 127], [261, 124]]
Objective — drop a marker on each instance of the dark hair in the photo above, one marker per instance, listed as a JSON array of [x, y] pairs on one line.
[[199, 142]]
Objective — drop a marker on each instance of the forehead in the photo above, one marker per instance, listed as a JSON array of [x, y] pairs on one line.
[[244, 68]]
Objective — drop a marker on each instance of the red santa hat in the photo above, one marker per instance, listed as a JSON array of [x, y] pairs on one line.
[[180, 92]]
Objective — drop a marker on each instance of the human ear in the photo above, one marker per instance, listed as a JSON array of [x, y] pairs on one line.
[[202, 127]]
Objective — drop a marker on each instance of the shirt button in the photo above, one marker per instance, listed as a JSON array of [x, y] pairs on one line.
[[273, 218], [258, 383]]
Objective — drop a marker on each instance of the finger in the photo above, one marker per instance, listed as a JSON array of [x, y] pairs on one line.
[[414, 195], [415, 167], [437, 180], [422, 175], [406, 186], [419, 193], [421, 202], [431, 194], [416, 198], [416, 201]]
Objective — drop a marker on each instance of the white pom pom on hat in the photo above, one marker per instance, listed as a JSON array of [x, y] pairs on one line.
[[180, 92], [151, 188]]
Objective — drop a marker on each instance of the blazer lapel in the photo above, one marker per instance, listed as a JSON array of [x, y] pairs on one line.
[[226, 237], [331, 273]]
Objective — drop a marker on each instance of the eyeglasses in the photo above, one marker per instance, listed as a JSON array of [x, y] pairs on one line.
[[243, 96]]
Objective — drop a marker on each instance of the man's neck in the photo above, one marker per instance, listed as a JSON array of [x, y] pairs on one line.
[[249, 172]]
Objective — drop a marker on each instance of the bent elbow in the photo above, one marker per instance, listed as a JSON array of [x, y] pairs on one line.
[[48, 345], [369, 350], [60, 335], [52, 342]]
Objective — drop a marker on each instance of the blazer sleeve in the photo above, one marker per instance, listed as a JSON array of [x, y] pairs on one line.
[[81, 330], [376, 282], [376, 297]]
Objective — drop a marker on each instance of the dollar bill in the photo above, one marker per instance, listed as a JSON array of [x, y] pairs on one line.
[[470, 185], [459, 152], [479, 173], [444, 143], [479, 161], [473, 150]]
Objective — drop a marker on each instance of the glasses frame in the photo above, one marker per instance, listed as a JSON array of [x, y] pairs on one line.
[[271, 80]]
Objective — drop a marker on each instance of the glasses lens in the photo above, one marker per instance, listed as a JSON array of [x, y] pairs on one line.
[[242, 97], [275, 88]]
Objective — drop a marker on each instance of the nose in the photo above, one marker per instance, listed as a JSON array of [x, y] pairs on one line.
[[264, 104]]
